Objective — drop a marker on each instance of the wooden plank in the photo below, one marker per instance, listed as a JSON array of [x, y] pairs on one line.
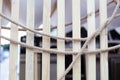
[[35, 66], [76, 34], [13, 62], [61, 33], [30, 41], [103, 41], [46, 40], [1, 4], [91, 58]]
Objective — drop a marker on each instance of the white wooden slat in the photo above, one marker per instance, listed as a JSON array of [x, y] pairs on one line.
[[30, 41], [103, 41], [35, 66], [46, 40], [13, 62], [91, 58], [61, 33], [1, 3], [76, 34]]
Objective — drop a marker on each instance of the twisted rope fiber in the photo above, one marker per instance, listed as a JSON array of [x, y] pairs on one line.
[[66, 24], [97, 32], [84, 17], [40, 33], [54, 27], [62, 52], [54, 51]]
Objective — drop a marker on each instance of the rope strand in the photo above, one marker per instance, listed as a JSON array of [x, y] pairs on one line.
[[98, 31], [83, 51], [54, 51], [41, 33]]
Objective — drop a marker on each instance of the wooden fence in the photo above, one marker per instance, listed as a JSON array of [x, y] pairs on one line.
[[77, 48]]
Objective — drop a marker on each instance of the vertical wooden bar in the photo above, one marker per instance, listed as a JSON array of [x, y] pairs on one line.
[[35, 66], [76, 34], [103, 41], [46, 40], [91, 58], [61, 33], [30, 41], [14, 47], [1, 3]]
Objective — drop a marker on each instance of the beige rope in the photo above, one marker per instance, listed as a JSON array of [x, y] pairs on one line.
[[84, 46], [54, 51], [40, 29], [98, 31], [83, 18], [41, 33], [66, 24]]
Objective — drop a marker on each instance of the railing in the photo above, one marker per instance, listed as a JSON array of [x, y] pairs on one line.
[[89, 47]]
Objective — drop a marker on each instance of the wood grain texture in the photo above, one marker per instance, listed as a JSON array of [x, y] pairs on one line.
[[46, 40], [76, 34], [61, 33], [103, 41], [30, 41], [13, 62], [91, 58]]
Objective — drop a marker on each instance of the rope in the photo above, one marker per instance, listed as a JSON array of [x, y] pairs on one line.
[[83, 51], [66, 24], [98, 31], [41, 33], [54, 51]]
